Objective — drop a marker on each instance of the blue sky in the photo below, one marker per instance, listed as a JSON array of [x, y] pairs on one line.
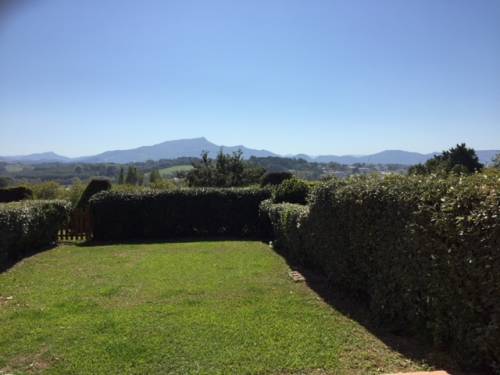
[[320, 77]]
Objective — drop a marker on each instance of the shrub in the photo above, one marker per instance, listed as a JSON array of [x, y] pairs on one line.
[[94, 187], [47, 190], [424, 251], [181, 212], [15, 194], [287, 221], [26, 227], [275, 178], [75, 191], [5, 181], [291, 191]]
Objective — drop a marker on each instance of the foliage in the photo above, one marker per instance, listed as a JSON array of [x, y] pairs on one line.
[[121, 177], [133, 176], [5, 182], [94, 187], [15, 194], [181, 212], [496, 162], [67, 173], [51, 190], [74, 192], [457, 160], [225, 171], [163, 185], [275, 178], [287, 221], [28, 226], [422, 250], [155, 177], [291, 190], [48, 190]]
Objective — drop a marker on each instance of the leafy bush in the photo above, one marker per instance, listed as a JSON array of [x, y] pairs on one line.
[[26, 227], [287, 221], [424, 251], [275, 178], [181, 212], [291, 191], [15, 194], [74, 192], [47, 190], [5, 181], [94, 187]]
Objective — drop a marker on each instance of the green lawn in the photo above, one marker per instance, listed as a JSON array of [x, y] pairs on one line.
[[171, 171], [222, 307]]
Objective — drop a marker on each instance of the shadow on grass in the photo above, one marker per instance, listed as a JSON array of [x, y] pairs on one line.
[[356, 309], [91, 243], [11, 262], [414, 348]]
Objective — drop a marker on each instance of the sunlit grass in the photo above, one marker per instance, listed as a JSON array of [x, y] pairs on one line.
[[222, 307]]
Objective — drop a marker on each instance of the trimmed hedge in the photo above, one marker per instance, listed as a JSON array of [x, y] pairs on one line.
[[26, 227], [424, 251], [287, 220], [15, 194], [95, 186], [291, 190], [176, 213], [275, 178]]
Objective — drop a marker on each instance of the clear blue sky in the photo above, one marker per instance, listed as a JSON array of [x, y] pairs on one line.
[[320, 77]]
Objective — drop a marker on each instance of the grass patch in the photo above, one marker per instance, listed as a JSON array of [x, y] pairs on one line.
[[221, 307], [171, 171]]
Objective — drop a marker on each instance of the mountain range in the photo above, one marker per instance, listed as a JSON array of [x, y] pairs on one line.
[[195, 146]]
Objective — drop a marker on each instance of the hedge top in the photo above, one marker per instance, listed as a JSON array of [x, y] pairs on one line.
[[15, 194], [95, 186]]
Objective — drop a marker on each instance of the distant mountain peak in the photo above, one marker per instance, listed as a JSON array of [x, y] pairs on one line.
[[193, 147]]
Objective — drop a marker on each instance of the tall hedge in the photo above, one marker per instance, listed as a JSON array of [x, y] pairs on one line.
[[175, 213], [274, 178], [26, 227], [424, 251], [95, 186], [287, 221], [15, 194]]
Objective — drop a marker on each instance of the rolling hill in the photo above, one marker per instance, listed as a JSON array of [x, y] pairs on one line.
[[195, 146]]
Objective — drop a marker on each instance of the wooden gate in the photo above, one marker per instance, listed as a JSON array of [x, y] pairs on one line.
[[79, 226]]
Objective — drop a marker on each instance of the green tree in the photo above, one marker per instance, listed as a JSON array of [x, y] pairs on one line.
[[132, 177], [227, 170], [155, 176], [458, 159], [121, 177], [5, 181], [140, 178], [202, 173]]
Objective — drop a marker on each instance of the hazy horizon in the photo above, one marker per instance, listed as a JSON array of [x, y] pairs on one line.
[[326, 77], [240, 144]]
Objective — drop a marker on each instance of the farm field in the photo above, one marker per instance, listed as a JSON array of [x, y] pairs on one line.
[[171, 171], [211, 307]]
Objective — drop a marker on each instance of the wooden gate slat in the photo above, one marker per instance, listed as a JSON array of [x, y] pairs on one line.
[[79, 226]]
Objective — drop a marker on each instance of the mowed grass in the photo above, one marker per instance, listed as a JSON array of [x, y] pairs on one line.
[[171, 171], [221, 307]]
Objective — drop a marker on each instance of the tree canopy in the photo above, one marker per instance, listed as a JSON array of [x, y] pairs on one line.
[[225, 171], [458, 159]]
